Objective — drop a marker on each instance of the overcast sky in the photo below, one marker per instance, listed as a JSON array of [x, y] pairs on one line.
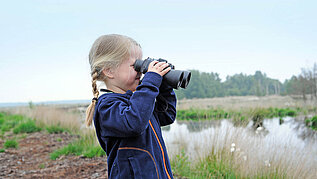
[[44, 44]]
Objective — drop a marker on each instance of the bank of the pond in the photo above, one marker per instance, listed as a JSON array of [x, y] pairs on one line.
[[219, 163], [244, 115]]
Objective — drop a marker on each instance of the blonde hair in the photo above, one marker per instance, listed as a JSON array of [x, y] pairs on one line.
[[107, 52]]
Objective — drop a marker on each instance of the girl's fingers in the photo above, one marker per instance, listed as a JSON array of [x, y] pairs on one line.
[[165, 71], [159, 67], [153, 63]]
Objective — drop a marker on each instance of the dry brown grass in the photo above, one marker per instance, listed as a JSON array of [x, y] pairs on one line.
[[239, 102], [50, 115]]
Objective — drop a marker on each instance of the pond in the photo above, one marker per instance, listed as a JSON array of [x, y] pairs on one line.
[[287, 141]]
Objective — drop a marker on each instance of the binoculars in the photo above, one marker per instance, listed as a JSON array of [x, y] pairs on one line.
[[175, 78]]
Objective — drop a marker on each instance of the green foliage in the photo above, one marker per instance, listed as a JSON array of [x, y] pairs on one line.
[[1, 121], [239, 117], [42, 166], [181, 165], [73, 148], [94, 151], [2, 150], [312, 122], [210, 167], [84, 146], [55, 129], [202, 114], [10, 144], [9, 121], [26, 127]]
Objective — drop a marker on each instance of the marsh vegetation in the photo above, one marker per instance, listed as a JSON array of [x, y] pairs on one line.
[[236, 137]]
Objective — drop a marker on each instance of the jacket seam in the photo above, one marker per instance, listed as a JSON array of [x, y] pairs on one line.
[[158, 140], [135, 148]]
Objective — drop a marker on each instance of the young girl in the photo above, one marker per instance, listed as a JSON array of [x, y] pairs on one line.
[[128, 116]]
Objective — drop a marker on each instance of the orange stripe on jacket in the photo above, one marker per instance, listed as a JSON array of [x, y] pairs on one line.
[[161, 149]]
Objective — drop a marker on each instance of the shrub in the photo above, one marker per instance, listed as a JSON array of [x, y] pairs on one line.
[[8, 124], [54, 129], [291, 113], [312, 123], [10, 144], [26, 127]]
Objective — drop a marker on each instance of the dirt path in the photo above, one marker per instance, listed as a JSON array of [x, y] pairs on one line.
[[31, 159]]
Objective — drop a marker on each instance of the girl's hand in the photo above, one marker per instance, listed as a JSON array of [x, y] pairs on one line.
[[159, 67]]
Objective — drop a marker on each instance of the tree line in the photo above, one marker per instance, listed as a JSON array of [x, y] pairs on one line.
[[209, 85]]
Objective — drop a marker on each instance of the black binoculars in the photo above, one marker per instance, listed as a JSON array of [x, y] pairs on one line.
[[175, 78]]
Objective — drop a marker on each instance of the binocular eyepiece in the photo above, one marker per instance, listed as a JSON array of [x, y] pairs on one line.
[[175, 78]]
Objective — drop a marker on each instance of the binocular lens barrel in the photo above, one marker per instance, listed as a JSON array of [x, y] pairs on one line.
[[175, 78]]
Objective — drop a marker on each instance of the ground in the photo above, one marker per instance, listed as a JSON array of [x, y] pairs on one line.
[[31, 159]]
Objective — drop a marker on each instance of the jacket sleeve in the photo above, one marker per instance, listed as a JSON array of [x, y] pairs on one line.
[[165, 105], [129, 118]]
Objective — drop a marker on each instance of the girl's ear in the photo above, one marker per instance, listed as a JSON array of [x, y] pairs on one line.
[[108, 73]]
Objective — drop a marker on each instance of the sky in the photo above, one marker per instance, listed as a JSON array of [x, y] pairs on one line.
[[44, 44]]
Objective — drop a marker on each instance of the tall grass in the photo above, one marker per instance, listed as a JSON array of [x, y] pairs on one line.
[[47, 116], [58, 120], [232, 152], [85, 146]]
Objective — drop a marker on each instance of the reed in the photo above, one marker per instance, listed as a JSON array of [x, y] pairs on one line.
[[232, 152]]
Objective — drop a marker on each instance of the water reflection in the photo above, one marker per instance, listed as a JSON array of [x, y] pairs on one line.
[[277, 127], [196, 126], [286, 143], [291, 133]]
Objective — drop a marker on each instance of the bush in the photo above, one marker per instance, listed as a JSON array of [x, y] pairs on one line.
[[26, 127], [2, 150], [10, 144], [291, 113], [95, 151], [54, 129]]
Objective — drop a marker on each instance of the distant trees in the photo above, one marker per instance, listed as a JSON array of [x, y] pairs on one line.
[[304, 84], [202, 85], [208, 85]]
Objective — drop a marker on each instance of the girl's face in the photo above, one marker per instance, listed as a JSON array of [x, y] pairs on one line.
[[125, 77]]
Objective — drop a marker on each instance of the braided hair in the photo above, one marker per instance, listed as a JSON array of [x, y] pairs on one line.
[[107, 52]]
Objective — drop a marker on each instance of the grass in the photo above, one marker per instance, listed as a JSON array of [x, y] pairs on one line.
[[312, 122], [42, 166], [242, 116], [232, 152], [10, 144], [19, 124], [28, 126], [86, 146], [55, 129], [216, 161]]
